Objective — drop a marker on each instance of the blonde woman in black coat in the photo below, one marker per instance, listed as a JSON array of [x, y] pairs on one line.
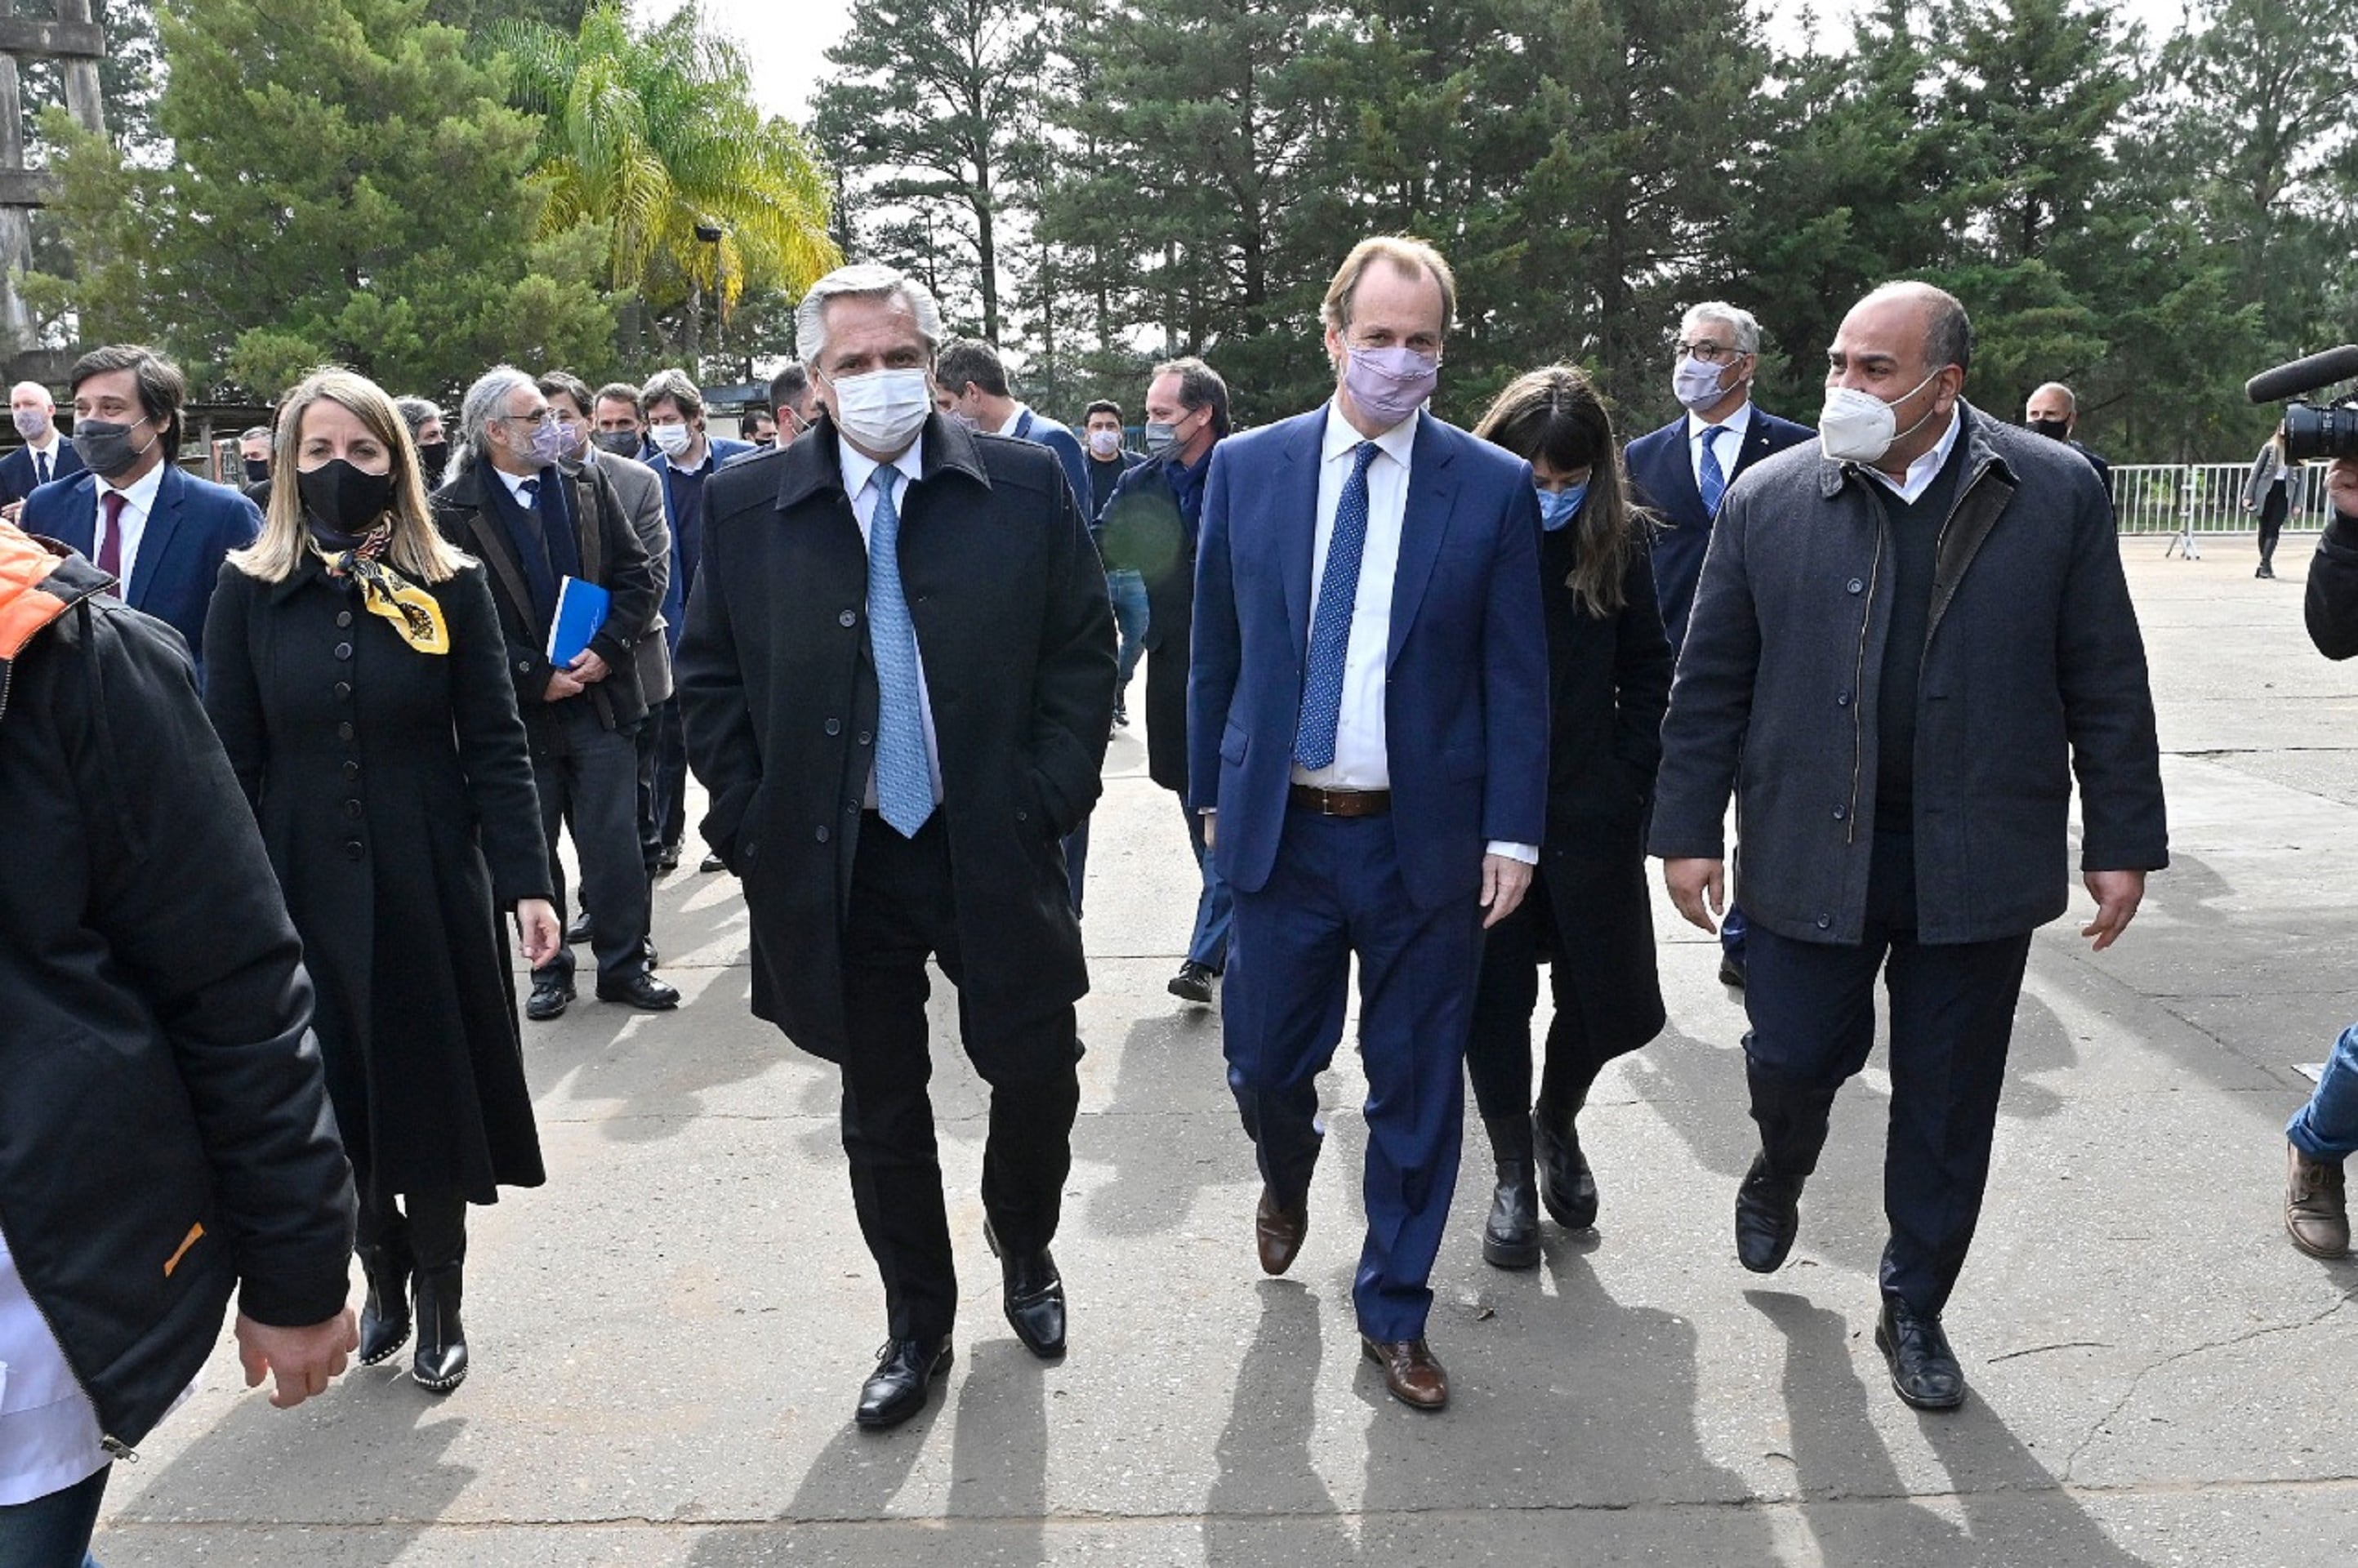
[[357, 675], [1588, 910]]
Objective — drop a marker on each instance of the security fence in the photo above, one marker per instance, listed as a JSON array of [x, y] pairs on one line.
[[2199, 499]]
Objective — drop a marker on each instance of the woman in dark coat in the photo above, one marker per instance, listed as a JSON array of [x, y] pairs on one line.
[[1588, 907], [356, 673]]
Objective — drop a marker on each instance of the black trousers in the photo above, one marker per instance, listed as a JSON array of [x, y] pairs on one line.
[[903, 914], [1498, 1047], [1812, 1011], [593, 783], [650, 743], [2273, 511], [432, 1226], [670, 804]]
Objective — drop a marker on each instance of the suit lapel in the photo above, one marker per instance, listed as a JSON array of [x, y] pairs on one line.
[[156, 539], [1432, 485], [1684, 497], [1755, 445], [1295, 496]]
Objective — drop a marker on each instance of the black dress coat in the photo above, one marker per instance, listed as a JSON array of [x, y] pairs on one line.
[[1609, 684], [396, 797], [1143, 529], [779, 695]]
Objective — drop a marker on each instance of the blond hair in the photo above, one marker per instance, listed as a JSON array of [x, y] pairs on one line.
[[416, 549], [1412, 256]]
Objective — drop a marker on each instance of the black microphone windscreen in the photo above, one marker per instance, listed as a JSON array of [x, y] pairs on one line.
[[2304, 375]]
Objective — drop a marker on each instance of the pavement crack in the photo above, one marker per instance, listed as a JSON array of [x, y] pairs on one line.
[[2043, 1349]]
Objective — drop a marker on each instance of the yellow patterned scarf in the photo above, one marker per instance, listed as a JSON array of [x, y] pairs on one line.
[[386, 593]]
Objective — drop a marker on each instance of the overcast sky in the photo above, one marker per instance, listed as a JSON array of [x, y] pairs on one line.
[[788, 40]]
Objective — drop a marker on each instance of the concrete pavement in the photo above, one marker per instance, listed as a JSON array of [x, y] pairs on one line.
[[667, 1338]]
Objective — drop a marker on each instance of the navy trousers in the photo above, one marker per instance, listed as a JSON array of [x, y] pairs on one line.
[[1337, 892], [1812, 1011], [54, 1530]]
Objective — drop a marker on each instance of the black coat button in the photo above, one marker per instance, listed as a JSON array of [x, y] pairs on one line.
[[345, 731], [835, 726], [1021, 814], [343, 617], [821, 834], [343, 650], [1840, 812], [523, 667], [352, 771], [343, 691], [352, 850], [865, 737], [1826, 922], [849, 618], [1856, 585], [1843, 700], [351, 809]]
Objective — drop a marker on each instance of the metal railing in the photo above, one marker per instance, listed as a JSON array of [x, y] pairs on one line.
[[2200, 499]]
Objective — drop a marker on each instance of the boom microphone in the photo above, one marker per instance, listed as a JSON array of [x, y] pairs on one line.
[[2304, 375]]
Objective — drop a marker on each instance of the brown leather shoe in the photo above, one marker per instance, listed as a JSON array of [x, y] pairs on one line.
[[1278, 1234], [2315, 1215], [1412, 1374]]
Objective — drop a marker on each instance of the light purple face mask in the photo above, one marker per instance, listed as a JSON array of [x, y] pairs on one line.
[[1389, 385]]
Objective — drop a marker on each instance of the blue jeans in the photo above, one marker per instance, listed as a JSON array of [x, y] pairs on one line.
[[1128, 590], [1208, 944], [2327, 1126], [53, 1531]]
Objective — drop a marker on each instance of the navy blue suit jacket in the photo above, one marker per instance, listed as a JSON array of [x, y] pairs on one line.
[[192, 525], [19, 478], [1662, 468], [1465, 701], [674, 600]]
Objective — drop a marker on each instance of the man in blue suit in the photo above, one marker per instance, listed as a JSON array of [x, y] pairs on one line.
[[45, 456], [159, 533], [1683, 471], [1368, 726]]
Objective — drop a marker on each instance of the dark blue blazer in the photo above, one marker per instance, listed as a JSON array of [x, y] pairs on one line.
[[1662, 469], [193, 525], [18, 478], [1465, 701], [674, 600], [1037, 428]]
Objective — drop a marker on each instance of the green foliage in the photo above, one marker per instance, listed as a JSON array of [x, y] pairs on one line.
[[349, 188]]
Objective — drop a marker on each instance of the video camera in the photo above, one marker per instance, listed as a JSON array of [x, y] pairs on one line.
[[2313, 429]]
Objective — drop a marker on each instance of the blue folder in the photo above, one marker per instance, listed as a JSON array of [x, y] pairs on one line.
[[580, 611]]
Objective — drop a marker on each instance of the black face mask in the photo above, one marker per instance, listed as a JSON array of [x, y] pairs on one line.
[[622, 443], [433, 456], [2053, 429], [256, 470], [342, 502], [105, 449]]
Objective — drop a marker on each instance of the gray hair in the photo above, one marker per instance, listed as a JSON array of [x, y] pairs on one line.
[[2071, 398], [486, 401], [416, 411], [673, 386], [862, 280], [1738, 320]]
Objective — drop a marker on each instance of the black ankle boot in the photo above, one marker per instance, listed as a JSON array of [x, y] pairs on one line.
[[384, 1315], [1511, 1239], [1566, 1185], [441, 1361]]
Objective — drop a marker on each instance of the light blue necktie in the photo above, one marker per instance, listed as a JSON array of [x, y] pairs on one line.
[[904, 783], [1715, 478], [1330, 629]]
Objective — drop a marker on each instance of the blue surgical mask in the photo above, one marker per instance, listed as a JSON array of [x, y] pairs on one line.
[[1559, 507]]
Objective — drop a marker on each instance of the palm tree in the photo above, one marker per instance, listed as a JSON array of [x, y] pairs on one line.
[[655, 136]]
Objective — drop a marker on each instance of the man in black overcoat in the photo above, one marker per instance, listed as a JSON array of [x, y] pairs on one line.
[[895, 741]]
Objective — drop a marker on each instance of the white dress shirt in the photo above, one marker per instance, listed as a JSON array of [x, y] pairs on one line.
[[1924, 469], [137, 502], [1361, 760], [49, 1429], [515, 483], [858, 467], [1738, 424], [48, 455]]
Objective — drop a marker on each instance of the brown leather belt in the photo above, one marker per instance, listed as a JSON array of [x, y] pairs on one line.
[[1342, 801]]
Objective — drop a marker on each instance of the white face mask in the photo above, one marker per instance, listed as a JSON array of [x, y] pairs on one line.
[[669, 439], [884, 409], [1858, 428], [1104, 444], [1696, 385]]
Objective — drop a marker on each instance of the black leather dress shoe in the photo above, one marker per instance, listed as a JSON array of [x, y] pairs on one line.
[[1192, 983], [1924, 1371], [1767, 1217], [549, 999], [641, 989], [712, 862], [896, 1390], [1567, 1187], [667, 859], [1034, 1296], [1731, 969], [579, 932]]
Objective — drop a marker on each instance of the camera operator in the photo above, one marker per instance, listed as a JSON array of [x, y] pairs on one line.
[[2324, 1132]]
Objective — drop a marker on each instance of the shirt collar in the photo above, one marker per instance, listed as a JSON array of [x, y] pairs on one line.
[[1014, 417], [55, 441], [141, 492], [1740, 421], [1921, 472], [516, 483], [858, 467], [1341, 436]]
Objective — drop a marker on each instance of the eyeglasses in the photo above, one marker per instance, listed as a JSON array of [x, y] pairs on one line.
[[545, 416], [1709, 352]]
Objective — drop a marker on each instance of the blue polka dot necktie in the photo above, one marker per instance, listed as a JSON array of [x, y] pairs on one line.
[[1330, 628], [904, 783]]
